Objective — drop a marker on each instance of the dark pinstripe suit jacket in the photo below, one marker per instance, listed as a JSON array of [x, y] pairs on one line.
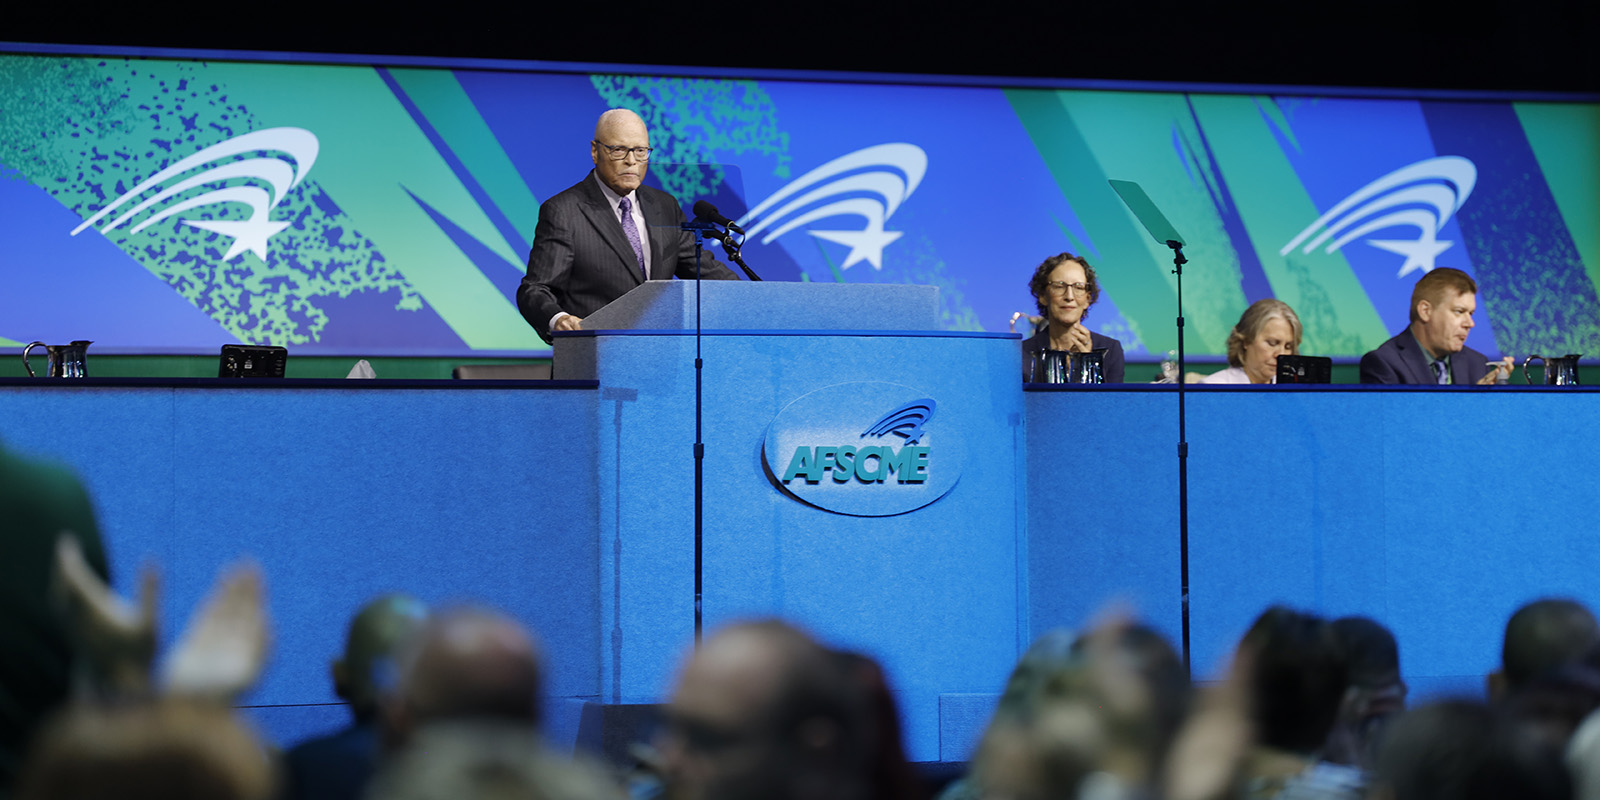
[[581, 260]]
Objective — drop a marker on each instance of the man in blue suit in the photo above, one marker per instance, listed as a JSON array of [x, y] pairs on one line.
[[609, 233], [1433, 348]]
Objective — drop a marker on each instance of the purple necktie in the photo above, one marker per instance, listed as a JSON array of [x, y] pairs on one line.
[[632, 232]]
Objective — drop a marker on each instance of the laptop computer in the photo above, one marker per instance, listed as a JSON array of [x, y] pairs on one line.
[[1305, 369]]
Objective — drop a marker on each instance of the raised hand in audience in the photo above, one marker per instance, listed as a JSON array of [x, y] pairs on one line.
[[1209, 753], [219, 654], [224, 647], [118, 638]]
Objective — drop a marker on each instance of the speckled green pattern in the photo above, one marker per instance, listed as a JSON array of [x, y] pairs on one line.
[[127, 120]]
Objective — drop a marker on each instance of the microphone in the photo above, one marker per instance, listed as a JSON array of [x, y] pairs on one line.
[[704, 210]]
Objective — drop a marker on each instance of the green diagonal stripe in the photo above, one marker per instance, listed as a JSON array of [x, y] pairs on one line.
[[364, 131], [450, 111], [1087, 137], [1130, 136], [1565, 138], [1137, 280], [1337, 314]]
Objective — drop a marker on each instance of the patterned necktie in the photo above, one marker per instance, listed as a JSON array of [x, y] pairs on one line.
[[632, 232], [1438, 372]]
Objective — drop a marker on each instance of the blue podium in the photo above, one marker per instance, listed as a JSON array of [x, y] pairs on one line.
[[862, 479]]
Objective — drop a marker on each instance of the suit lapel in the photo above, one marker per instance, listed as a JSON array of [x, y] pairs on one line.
[[655, 219], [604, 220], [1415, 360], [1459, 374]]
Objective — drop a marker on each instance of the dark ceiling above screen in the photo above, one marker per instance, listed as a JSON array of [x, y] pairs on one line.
[[1529, 45]]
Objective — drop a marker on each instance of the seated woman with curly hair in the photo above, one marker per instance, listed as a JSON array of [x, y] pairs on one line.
[[1064, 287]]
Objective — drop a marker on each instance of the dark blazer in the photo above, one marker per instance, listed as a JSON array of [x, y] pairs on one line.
[[334, 767], [1401, 360], [581, 260], [1112, 367]]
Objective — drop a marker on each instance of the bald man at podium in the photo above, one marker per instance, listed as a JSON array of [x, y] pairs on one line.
[[599, 239]]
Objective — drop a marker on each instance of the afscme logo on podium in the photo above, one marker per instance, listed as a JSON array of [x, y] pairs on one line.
[[871, 464], [866, 449]]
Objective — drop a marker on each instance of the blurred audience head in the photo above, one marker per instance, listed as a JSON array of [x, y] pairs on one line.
[[466, 664], [1049, 655], [1540, 637], [1298, 679], [892, 777], [762, 711], [1375, 692], [1103, 707], [1148, 656], [1461, 750], [379, 633], [162, 750], [486, 761], [1552, 705], [1582, 757], [1048, 754]]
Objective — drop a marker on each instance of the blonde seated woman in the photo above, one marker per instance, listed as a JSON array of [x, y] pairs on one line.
[[1268, 328]]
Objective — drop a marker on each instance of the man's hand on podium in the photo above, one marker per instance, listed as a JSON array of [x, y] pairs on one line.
[[567, 322]]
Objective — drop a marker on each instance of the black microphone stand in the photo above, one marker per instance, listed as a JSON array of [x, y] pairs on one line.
[[1183, 457], [731, 247], [1162, 231], [708, 230]]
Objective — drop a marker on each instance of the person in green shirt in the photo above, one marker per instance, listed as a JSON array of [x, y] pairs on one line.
[[39, 503]]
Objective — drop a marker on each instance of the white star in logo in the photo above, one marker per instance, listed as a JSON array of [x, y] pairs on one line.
[[864, 245], [1419, 253], [250, 234]]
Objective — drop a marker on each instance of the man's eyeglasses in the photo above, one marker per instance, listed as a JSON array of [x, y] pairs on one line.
[[1061, 287], [618, 152]]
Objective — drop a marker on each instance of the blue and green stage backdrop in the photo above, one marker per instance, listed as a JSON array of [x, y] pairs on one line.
[[175, 204]]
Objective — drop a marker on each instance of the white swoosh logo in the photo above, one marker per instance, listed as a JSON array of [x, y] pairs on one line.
[[249, 234], [1424, 195], [870, 183]]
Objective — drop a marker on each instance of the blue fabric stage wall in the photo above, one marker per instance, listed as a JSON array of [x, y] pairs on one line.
[[1102, 507], [340, 495], [1437, 511]]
